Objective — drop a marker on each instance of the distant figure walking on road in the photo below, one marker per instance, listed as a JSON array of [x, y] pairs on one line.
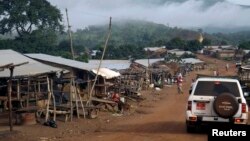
[[215, 73], [179, 83], [227, 66]]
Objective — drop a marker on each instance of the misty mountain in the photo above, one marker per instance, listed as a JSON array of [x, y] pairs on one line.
[[132, 32], [225, 30], [206, 3], [144, 34], [207, 14], [234, 38]]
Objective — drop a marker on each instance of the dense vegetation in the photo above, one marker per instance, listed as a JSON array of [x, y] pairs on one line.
[[130, 37]]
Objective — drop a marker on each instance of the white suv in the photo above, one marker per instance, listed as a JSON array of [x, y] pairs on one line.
[[216, 100]]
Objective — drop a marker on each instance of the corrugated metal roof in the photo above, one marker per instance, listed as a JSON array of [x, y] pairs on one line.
[[112, 64], [144, 62], [221, 47], [191, 61], [92, 64], [179, 52], [154, 48], [32, 68], [62, 61], [246, 51]]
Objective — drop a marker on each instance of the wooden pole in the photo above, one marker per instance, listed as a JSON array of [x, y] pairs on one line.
[[11, 67], [89, 85], [53, 98], [103, 53], [18, 89], [148, 71], [28, 94], [105, 87], [49, 98], [71, 97], [78, 93], [9, 98], [39, 87], [19, 94], [36, 93], [70, 36], [76, 97]]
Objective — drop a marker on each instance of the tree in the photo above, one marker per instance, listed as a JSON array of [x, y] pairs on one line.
[[244, 45], [193, 45], [83, 58], [206, 42], [176, 43], [25, 16], [223, 42], [187, 55], [172, 57]]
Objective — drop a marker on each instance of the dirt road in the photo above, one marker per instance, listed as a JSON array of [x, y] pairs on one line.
[[159, 119]]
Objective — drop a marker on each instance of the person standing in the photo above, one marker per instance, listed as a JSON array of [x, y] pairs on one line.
[[179, 83], [227, 66], [215, 73], [170, 81]]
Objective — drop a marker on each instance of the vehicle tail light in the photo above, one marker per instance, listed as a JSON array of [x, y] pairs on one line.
[[238, 120], [243, 108], [189, 106], [193, 118]]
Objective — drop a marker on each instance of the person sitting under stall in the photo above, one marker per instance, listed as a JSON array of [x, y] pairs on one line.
[[116, 98]]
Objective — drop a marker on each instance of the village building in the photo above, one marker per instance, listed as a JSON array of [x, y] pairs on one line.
[[155, 52], [178, 52], [193, 64], [221, 51], [31, 84], [89, 82]]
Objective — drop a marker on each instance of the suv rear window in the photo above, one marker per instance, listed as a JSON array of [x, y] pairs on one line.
[[214, 88]]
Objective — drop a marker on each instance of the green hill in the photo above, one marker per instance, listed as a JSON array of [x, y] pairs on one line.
[[139, 33]]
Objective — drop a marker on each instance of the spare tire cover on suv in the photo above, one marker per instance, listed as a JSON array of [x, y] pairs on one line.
[[226, 105]]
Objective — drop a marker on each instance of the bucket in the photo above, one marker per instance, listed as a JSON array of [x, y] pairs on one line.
[[28, 118]]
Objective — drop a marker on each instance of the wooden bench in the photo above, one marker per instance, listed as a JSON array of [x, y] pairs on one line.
[[61, 110]]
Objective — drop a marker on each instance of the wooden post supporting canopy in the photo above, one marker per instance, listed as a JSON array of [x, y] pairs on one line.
[[9, 98], [11, 67]]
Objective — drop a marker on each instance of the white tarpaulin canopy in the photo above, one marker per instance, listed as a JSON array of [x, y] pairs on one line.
[[246, 67], [106, 73]]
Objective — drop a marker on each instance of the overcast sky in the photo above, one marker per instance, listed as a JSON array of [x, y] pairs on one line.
[[190, 13]]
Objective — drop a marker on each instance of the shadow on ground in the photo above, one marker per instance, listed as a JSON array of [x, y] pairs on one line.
[[173, 127]]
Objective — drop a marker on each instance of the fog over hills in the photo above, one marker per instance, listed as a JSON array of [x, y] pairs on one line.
[[210, 15]]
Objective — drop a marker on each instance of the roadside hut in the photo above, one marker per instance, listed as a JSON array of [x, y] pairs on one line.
[[81, 76], [30, 82], [192, 64], [143, 72]]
